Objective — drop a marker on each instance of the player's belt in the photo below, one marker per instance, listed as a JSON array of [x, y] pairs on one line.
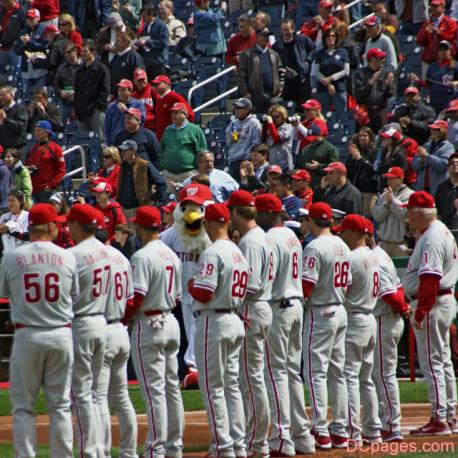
[[287, 303], [20, 326], [219, 311], [441, 292], [84, 315], [113, 321]]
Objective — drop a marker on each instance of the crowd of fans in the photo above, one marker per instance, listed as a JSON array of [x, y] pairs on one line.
[[106, 67]]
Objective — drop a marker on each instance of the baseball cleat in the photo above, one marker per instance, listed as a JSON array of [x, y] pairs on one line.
[[339, 441], [391, 436], [372, 440], [277, 453], [257, 455], [321, 440], [432, 428], [191, 380], [453, 425]]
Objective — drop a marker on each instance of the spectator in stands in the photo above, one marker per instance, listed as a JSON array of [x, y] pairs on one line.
[[177, 29], [115, 117], [12, 18], [313, 27], [253, 174], [278, 134], [49, 11], [373, 86], [447, 195], [68, 30], [393, 154], [110, 169], [40, 108], [301, 187], [20, 175], [295, 52], [389, 21], [167, 215], [284, 190], [59, 202], [148, 147], [92, 88], [437, 28], [14, 223], [221, 183], [451, 114], [180, 143], [129, 11], [124, 241], [245, 39], [90, 15], [412, 14], [377, 38], [360, 167], [64, 79], [45, 162], [317, 155], [5, 185], [414, 115], [347, 42], [187, 46], [331, 69], [124, 62], [31, 41], [259, 73], [389, 212], [164, 99], [337, 191], [106, 37], [242, 134], [153, 41], [140, 183], [431, 161], [312, 115], [112, 211], [261, 21], [143, 92], [13, 120]]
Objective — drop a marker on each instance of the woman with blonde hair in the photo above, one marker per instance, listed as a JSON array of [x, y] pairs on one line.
[[67, 29], [111, 167]]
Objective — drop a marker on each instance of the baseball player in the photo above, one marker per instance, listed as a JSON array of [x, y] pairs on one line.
[[89, 326], [290, 426], [359, 303], [218, 291], [388, 312], [256, 309], [155, 340], [326, 276], [431, 275], [40, 279], [112, 387]]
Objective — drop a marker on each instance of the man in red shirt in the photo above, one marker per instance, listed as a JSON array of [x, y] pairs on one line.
[[245, 39], [301, 187], [143, 92], [45, 162], [49, 10], [312, 28], [164, 99]]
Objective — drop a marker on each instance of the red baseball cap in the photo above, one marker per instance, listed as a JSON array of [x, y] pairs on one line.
[[33, 13], [320, 210], [268, 203], [85, 214], [326, 4], [411, 90], [275, 169], [134, 112], [51, 28], [311, 104], [196, 193], [391, 133], [102, 186], [394, 172], [218, 213], [420, 199], [44, 214], [370, 226], [140, 74], [241, 198], [147, 217], [453, 105], [437, 2], [126, 83], [180, 106], [340, 166], [372, 21], [352, 222], [162, 79], [301, 175], [439, 124], [169, 208], [375, 52]]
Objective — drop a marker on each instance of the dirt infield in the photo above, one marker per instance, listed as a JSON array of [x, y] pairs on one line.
[[197, 435]]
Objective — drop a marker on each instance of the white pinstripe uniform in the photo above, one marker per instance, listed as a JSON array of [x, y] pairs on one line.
[[436, 253], [155, 341], [219, 337]]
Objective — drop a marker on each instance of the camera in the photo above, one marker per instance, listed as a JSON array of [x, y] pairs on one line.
[[33, 170], [293, 119], [264, 118]]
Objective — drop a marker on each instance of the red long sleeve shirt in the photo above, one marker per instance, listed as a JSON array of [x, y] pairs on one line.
[[49, 9], [427, 293], [237, 44]]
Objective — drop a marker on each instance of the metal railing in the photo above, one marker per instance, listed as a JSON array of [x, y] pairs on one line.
[[81, 169], [351, 26], [203, 83]]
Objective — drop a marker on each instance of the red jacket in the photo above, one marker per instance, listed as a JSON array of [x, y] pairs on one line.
[[63, 238], [429, 40], [49, 9], [49, 160], [113, 215], [307, 197], [112, 177], [147, 98], [237, 44], [162, 107], [410, 146]]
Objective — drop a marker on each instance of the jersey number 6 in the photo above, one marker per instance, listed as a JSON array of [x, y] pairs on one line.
[[33, 287]]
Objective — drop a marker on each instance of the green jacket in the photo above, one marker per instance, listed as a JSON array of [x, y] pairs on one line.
[[324, 153], [180, 147], [20, 180]]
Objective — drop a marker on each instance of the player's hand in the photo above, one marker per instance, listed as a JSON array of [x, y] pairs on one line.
[[407, 313], [312, 165]]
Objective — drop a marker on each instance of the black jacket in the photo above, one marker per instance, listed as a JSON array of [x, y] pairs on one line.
[[347, 199], [15, 24], [54, 56], [52, 114], [123, 67], [65, 77], [13, 131], [303, 49], [375, 96], [92, 88], [445, 197], [361, 172]]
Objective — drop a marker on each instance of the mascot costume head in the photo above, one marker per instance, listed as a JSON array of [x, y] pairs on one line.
[[188, 216]]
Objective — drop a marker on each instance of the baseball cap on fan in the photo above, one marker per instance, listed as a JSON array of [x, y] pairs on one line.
[[394, 172], [102, 186], [169, 208], [44, 214], [196, 193], [33, 13], [375, 52], [140, 74]]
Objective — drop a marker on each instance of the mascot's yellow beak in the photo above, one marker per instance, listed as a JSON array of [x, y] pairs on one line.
[[193, 221]]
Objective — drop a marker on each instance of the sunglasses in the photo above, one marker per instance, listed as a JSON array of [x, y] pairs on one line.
[[453, 163], [108, 157], [63, 23], [276, 117]]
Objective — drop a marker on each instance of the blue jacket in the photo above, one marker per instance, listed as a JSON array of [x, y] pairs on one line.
[[77, 8], [437, 163], [210, 36], [114, 119], [36, 43], [5, 178], [156, 49]]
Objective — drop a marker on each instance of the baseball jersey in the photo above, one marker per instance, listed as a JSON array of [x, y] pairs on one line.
[[94, 273], [258, 254], [189, 260], [224, 271], [327, 264], [156, 273], [287, 263], [121, 287], [435, 253], [388, 281], [40, 279], [362, 293]]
